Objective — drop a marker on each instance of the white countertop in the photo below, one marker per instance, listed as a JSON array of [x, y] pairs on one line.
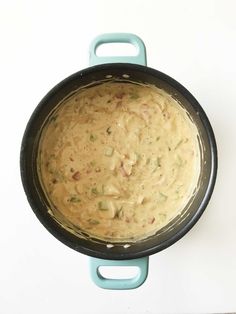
[[42, 42]]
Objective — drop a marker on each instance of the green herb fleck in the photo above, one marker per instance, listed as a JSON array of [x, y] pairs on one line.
[[178, 144], [102, 205], [162, 197], [157, 139], [158, 162], [148, 161], [93, 222], [75, 199], [162, 216], [92, 137], [92, 163], [137, 156], [119, 213], [58, 175], [109, 151], [179, 161], [134, 96], [108, 130], [94, 191]]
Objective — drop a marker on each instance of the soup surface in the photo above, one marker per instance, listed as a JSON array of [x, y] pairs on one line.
[[119, 160]]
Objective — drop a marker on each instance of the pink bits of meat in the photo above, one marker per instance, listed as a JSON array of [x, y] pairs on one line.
[[122, 170], [119, 95], [151, 220], [76, 176]]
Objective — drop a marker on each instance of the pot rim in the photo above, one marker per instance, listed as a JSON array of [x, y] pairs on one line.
[[59, 232]]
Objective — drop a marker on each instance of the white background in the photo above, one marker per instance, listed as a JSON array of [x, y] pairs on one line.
[[42, 42]]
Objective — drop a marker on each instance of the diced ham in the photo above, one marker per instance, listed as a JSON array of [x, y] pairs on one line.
[[76, 176], [151, 220], [122, 170], [119, 95]]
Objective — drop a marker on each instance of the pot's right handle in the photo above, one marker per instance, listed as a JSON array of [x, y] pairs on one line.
[[107, 38], [119, 284]]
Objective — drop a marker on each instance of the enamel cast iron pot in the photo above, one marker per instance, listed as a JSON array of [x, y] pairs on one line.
[[133, 68]]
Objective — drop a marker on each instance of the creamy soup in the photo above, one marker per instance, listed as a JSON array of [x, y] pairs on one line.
[[119, 160]]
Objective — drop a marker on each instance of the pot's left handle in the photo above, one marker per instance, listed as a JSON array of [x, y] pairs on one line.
[[139, 58], [119, 284]]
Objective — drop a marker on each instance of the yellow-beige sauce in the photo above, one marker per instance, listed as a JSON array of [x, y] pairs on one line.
[[119, 160]]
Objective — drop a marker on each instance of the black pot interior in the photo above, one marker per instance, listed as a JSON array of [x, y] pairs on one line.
[[177, 227]]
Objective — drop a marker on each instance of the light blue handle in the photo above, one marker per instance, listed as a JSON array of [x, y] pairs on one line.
[[141, 263], [119, 284], [140, 58]]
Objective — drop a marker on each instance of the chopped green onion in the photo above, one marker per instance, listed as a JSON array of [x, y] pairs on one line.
[[92, 137], [138, 156], [93, 222], [178, 144], [108, 130], [179, 161], [119, 213], [140, 199], [92, 163], [102, 205], [134, 96], [162, 197], [110, 189], [58, 175], [157, 164], [148, 161], [75, 199], [162, 216], [109, 151], [94, 191]]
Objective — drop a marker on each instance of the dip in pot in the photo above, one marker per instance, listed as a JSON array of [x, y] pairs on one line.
[[119, 160]]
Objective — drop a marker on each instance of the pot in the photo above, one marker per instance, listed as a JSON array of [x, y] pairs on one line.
[[137, 254]]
